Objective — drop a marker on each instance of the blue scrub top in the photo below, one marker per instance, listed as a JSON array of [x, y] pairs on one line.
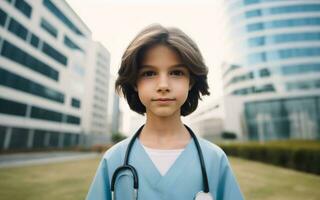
[[181, 182]]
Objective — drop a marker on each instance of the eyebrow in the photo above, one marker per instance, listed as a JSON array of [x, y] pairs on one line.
[[180, 65]]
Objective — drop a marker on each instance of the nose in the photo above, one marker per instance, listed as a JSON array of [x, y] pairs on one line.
[[163, 84]]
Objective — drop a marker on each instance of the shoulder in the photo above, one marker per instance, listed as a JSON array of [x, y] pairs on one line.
[[211, 150], [210, 147], [117, 151]]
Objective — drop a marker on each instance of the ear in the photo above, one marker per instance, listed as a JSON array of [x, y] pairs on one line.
[[135, 88]]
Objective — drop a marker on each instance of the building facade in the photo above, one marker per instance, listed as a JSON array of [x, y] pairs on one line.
[[97, 94], [115, 115], [44, 48], [208, 120], [272, 82]]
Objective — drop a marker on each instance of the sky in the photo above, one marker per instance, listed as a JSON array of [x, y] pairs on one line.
[[115, 23]]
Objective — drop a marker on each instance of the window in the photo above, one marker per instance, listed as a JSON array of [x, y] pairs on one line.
[[77, 138], [241, 3], [3, 130], [23, 7], [313, 21], [266, 115], [255, 27], [17, 55], [68, 139], [283, 54], [18, 29], [39, 138], [256, 41], [54, 139], [17, 82], [264, 88], [243, 91], [75, 103], [59, 14], [281, 10], [289, 53], [300, 68], [45, 114], [3, 17], [253, 13], [294, 8], [294, 22], [19, 138], [264, 73], [283, 38], [73, 119], [51, 115], [34, 41], [12, 107], [49, 28], [69, 43], [295, 37], [248, 2], [257, 58], [254, 89], [50, 51], [303, 85], [231, 68]]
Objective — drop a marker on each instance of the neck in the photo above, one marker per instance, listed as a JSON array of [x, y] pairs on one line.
[[164, 133]]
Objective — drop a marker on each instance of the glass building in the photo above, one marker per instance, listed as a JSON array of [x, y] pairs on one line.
[[44, 53], [276, 71]]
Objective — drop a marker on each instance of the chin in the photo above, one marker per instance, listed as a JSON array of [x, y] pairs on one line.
[[164, 113]]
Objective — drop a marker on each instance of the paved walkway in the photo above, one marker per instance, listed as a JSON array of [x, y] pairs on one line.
[[25, 159]]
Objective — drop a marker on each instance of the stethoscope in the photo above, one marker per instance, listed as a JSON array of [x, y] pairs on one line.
[[202, 195]]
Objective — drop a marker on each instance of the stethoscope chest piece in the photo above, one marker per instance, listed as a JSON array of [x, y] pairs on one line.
[[203, 196]]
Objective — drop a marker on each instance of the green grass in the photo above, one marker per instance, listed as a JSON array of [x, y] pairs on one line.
[[267, 182], [70, 180]]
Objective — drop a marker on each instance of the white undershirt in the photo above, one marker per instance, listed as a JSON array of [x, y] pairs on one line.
[[163, 159]]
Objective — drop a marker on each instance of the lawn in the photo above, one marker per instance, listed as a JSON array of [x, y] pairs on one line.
[[260, 181], [70, 180]]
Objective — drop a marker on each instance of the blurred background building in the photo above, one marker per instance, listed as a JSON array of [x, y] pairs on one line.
[[54, 80], [272, 83], [208, 120], [97, 93]]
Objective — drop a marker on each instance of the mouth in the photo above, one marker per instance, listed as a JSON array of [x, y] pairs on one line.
[[164, 99]]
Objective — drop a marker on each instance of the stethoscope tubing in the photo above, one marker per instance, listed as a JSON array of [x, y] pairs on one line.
[[127, 166]]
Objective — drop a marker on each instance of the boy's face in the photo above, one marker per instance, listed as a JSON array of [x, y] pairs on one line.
[[163, 82]]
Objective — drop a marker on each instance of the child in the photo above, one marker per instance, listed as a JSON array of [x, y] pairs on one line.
[[162, 74]]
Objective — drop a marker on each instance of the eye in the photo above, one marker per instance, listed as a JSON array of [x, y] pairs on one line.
[[147, 73], [177, 73]]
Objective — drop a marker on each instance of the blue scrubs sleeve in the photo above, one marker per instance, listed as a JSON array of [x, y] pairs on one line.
[[228, 188], [100, 186]]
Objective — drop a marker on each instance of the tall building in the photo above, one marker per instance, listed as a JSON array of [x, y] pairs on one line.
[[97, 93], [114, 113], [44, 52], [272, 83]]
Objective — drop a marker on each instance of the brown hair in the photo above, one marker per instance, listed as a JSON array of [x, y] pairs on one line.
[[183, 45]]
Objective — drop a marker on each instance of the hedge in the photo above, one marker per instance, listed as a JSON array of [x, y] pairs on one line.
[[298, 155]]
